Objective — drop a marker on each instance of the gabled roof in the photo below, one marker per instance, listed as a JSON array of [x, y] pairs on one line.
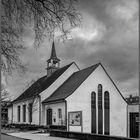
[[113, 83], [71, 84], [41, 84]]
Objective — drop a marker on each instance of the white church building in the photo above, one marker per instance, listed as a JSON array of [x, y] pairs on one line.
[[84, 100]]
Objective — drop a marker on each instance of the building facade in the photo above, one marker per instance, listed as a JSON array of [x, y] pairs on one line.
[[133, 116], [84, 100]]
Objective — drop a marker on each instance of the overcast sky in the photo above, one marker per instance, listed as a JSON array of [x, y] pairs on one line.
[[108, 34]]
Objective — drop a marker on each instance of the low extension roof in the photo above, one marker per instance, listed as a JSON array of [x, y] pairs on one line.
[[41, 84], [71, 84]]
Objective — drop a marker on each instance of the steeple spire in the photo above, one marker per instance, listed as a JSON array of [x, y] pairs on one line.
[[53, 53], [52, 63]]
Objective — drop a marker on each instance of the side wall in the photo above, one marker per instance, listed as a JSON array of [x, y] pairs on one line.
[[45, 94], [80, 100], [35, 113]]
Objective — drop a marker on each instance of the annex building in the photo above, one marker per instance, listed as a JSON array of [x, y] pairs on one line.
[[84, 100], [133, 116]]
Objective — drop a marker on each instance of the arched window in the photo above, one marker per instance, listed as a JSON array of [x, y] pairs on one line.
[[93, 112], [100, 111], [106, 113]]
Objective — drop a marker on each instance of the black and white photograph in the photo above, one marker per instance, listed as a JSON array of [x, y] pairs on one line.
[[70, 70]]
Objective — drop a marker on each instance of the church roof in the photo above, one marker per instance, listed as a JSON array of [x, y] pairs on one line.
[[41, 84], [71, 84], [53, 54]]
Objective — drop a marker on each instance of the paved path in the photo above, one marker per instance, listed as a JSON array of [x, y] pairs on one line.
[[36, 136], [7, 137]]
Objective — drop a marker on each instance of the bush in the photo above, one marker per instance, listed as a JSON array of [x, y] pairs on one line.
[[35, 127], [59, 127], [24, 126]]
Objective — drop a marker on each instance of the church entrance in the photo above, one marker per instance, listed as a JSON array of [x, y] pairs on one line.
[[49, 116]]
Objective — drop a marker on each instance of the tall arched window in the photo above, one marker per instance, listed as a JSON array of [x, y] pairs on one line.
[[93, 112], [100, 111], [106, 113]]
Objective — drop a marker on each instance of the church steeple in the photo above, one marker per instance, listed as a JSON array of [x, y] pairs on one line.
[[53, 63], [53, 53]]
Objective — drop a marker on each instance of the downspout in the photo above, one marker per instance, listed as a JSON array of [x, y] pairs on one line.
[[12, 113], [39, 109], [66, 114], [127, 121]]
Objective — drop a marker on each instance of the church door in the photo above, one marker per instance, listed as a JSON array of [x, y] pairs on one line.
[[134, 125], [49, 116]]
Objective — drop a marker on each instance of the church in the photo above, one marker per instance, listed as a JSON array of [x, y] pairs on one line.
[[84, 100]]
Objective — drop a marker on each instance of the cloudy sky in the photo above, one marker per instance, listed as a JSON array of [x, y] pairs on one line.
[[108, 34]]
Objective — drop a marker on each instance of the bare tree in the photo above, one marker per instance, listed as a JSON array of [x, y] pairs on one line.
[[46, 17], [32, 107], [4, 93], [33, 103]]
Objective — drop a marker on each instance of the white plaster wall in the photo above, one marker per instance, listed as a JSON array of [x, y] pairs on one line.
[[43, 118], [10, 114], [15, 118], [35, 115], [133, 108], [55, 108], [80, 100], [77, 128], [45, 94]]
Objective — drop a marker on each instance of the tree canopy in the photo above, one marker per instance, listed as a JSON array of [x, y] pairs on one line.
[[46, 16]]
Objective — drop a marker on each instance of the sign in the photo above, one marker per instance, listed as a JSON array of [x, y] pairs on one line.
[[75, 118]]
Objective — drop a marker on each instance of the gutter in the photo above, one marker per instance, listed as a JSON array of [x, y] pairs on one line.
[[23, 100], [127, 133], [54, 101], [66, 113], [12, 113]]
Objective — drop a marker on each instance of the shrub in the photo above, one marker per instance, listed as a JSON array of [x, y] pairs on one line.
[[59, 127]]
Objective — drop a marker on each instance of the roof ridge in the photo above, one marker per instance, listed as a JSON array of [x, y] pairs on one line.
[[113, 82], [88, 67]]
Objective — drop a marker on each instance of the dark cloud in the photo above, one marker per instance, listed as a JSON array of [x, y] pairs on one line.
[[108, 34], [104, 11]]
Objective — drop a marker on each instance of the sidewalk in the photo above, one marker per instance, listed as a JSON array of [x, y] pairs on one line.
[[36, 136]]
